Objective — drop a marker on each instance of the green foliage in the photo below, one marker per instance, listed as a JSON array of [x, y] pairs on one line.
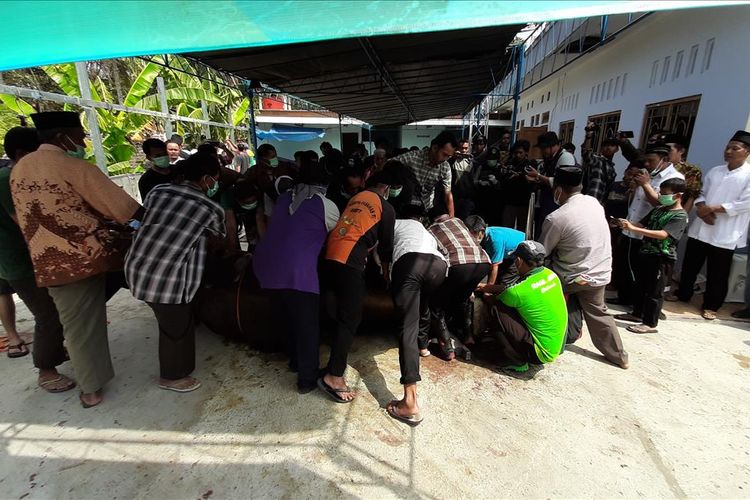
[[132, 82]]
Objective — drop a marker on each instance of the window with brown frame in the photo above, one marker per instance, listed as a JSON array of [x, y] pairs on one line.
[[566, 131], [673, 117], [607, 126]]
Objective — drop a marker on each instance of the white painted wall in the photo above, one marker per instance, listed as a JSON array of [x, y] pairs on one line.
[[724, 89]]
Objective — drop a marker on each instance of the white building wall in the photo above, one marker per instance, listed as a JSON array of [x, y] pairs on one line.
[[627, 62], [286, 149]]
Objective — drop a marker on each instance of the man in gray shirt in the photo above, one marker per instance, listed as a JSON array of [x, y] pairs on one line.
[[577, 239]]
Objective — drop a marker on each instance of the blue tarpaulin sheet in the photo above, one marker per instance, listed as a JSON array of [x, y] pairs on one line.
[[293, 134], [53, 31]]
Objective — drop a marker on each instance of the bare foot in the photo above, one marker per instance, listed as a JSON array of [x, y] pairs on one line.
[[54, 382], [185, 384], [339, 383]]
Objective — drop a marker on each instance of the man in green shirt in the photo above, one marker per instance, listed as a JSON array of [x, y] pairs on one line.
[[16, 268], [532, 313]]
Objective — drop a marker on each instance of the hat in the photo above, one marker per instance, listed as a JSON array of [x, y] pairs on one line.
[[56, 119], [568, 176], [675, 139], [658, 148], [741, 136], [547, 139], [530, 251]]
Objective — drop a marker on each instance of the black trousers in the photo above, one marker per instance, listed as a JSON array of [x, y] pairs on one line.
[[176, 339], [414, 278], [348, 286], [626, 260], [48, 351], [516, 345], [451, 297], [718, 265], [515, 216], [298, 316], [651, 275]]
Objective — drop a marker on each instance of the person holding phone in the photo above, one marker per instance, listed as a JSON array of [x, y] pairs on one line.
[[598, 169]]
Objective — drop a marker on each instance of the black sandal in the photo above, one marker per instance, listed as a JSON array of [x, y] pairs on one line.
[[21, 350], [334, 394]]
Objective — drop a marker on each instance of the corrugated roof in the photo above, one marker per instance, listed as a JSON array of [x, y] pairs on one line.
[[381, 80]]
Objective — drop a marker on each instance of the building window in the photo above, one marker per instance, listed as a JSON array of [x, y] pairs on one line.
[[545, 117], [691, 60], [674, 117], [566, 131], [607, 126], [707, 55], [549, 94]]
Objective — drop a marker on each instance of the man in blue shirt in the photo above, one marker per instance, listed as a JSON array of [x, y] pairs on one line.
[[499, 243]]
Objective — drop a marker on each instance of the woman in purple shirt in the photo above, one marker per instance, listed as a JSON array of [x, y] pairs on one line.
[[286, 265]]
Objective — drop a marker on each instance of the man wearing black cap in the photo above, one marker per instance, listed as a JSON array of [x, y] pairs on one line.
[[63, 204], [646, 197], [532, 312], [598, 169], [577, 240], [553, 157], [723, 210], [693, 173]]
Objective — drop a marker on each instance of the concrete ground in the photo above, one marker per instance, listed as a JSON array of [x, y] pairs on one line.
[[677, 424]]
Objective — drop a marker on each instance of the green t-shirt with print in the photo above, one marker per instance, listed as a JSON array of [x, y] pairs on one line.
[[539, 300], [674, 222]]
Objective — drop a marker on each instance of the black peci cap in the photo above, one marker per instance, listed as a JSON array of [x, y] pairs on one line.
[[48, 120]]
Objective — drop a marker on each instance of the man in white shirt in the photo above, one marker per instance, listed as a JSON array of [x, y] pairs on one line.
[[578, 245], [723, 210], [419, 268], [646, 197]]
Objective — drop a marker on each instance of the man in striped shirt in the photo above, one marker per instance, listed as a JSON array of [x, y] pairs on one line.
[[165, 264], [469, 264]]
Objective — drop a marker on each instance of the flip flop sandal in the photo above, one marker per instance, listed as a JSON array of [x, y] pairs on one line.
[[189, 388], [709, 315], [641, 329], [628, 317], [47, 383], [410, 420], [334, 394], [20, 350]]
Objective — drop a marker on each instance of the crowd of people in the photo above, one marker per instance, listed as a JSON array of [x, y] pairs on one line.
[[450, 229]]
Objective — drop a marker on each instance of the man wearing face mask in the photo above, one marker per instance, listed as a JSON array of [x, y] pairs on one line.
[[576, 237], [645, 198], [366, 223], [157, 166], [346, 185], [165, 264], [240, 204], [62, 204]]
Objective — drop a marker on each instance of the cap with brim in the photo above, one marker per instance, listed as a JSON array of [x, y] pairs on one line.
[[48, 120], [568, 176], [530, 251], [741, 136], [658, 148]]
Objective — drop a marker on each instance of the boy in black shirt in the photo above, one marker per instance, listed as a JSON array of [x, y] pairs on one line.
[[662, 229]]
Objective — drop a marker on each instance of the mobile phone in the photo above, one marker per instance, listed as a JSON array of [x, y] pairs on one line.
[[528, 169], [627, 134], [614, 221]]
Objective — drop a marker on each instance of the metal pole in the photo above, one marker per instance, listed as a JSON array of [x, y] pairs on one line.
[[604, 24], [341, 135], [91, 117], [251, 108], [370, 142], [205, 128], [517, 91], [163, 104]]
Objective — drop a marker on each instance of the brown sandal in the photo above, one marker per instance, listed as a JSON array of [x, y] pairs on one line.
[[48, 385], [20, 350], [709, 315]]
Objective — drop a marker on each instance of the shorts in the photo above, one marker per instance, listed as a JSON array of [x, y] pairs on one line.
[[5, 288]]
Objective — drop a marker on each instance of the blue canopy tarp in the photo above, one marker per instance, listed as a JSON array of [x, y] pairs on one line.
[[293, 134]]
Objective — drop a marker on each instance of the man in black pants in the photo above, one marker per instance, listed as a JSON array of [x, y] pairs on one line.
[[419, 268], [469, 264], [366, 222]]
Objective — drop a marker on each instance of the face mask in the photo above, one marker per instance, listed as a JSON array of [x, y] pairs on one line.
[[273, 162], [666, 200], [492, 163], [213, 189], [161, 161], [80, 151], [556, 198], [249, 206], [656, 170], [394, 192]]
